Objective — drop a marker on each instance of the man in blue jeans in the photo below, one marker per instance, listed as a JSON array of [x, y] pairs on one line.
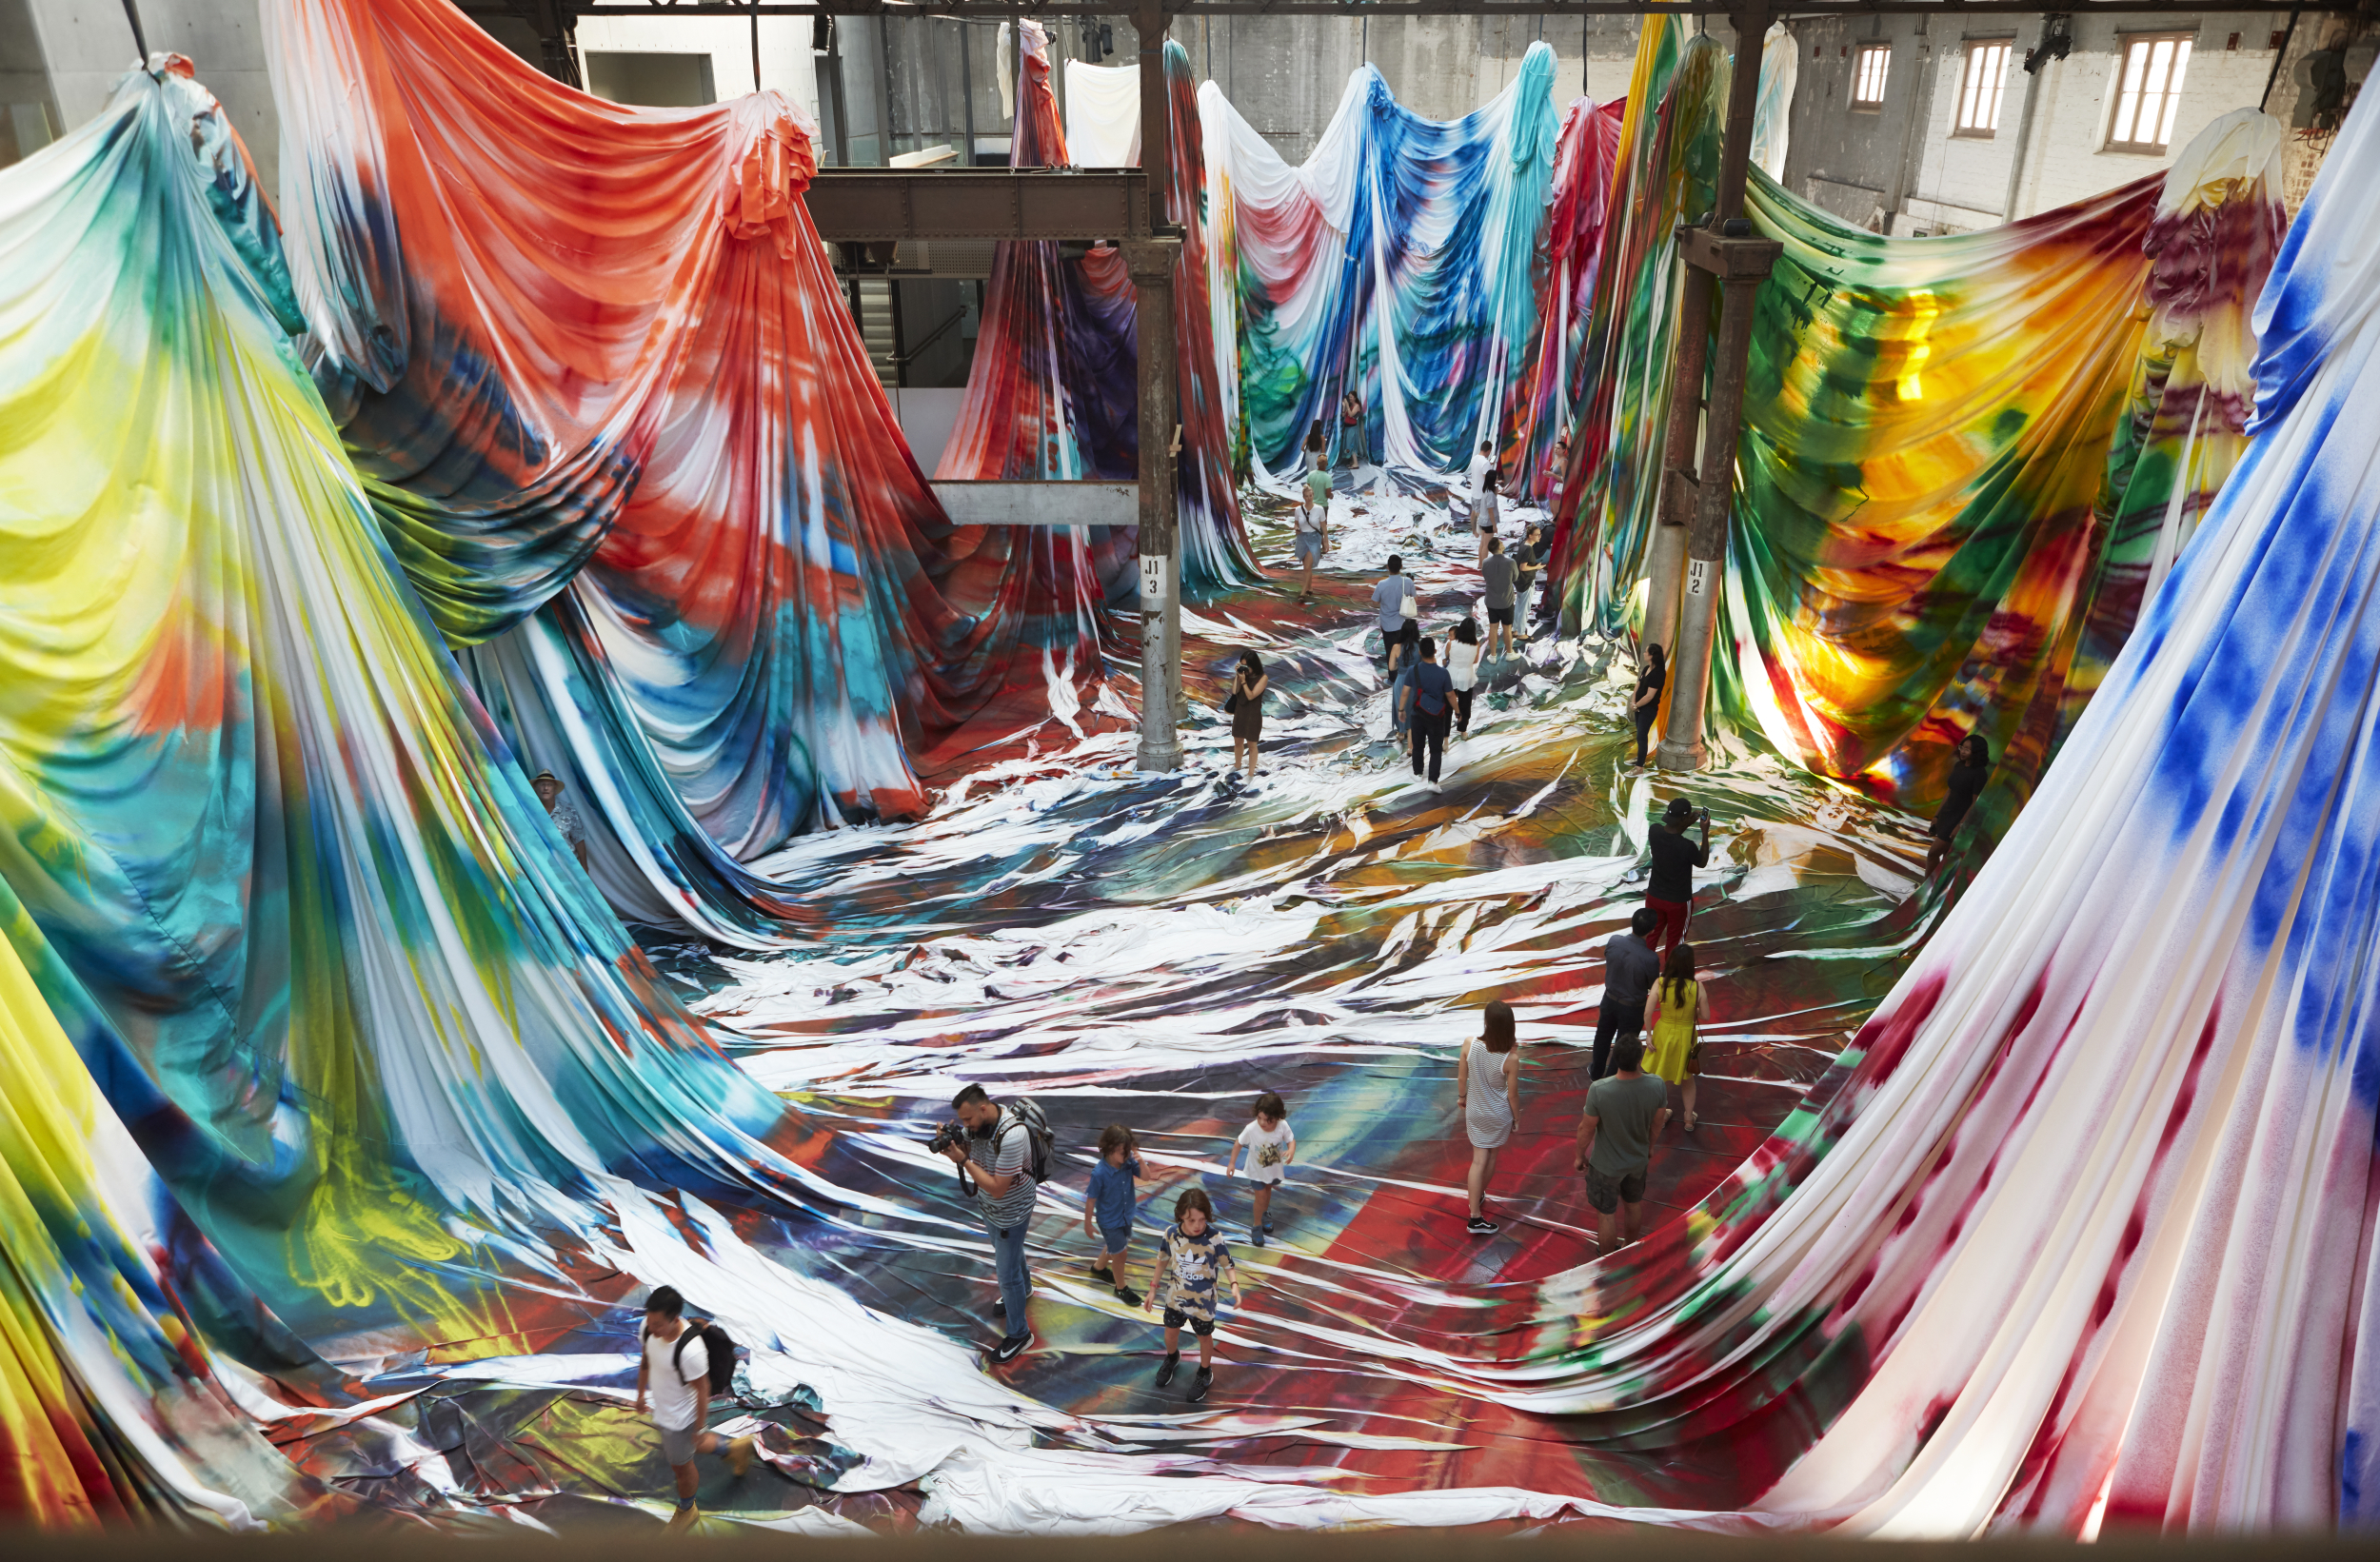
[[997, 1157]]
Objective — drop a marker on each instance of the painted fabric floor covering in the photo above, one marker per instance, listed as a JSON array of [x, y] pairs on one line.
[[383, 1127]]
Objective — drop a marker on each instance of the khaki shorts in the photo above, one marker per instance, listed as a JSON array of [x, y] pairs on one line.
[[1608, 1193]]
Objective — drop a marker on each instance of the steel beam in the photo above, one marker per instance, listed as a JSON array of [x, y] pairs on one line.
[[877, 204], [1004, 504], [993, 10]]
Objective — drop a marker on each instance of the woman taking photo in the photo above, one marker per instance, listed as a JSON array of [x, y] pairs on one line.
[[1248, 685], [1675, 1053], [1487, 1088]]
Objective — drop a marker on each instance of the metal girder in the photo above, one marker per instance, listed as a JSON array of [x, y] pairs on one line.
[[1054, 504], [874, 204]]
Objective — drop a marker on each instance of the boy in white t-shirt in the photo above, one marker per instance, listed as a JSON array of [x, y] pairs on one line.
[[1271, 1144], [675, 1367]]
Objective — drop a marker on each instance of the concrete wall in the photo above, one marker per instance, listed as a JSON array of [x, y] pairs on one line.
[[89, 45], [786, 59]]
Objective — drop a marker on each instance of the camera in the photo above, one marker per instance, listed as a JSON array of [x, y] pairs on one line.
[[948, 1134]]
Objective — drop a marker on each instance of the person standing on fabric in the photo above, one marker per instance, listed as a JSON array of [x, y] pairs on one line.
[[1485, 514], [1526, 558], [1110, 1201], [1501, 575], [1272, 1146], [675, 1372], [1003, 1188], [1624, 1115], [1644, 706], [1312, 537], [1193, 1266], [1474, 485], [1676, 1053], [1670, 889], [1351, 430], [1630, 968], [1462, 670], [548, 789], [1970, 768], [1399, 607], [1487, 1091], [1433, 695], [1248, 685], [1562, 471]]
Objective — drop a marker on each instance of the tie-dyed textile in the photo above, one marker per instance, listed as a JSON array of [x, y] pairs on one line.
[[1053, 393], [1957, 453], [1545, 403], [1401, 261], [586, 348]]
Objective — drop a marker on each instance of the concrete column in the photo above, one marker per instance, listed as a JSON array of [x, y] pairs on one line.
[[1150, 256]]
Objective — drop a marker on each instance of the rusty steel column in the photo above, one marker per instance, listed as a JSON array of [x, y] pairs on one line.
[[1674, 504], [1150, 253], [1739, 262]]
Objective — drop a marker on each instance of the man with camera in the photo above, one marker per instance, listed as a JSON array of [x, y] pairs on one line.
[[993, 1151], [1671, 888]]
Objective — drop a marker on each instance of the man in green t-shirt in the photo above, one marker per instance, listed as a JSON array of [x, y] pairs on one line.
[[1624, 1115], [1314, 517]]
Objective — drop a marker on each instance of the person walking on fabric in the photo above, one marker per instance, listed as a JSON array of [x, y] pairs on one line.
[[548, 789], [1970, 767], [1497, 569], [1248, 685], [1433, 695], [1528, 558], [1644, 706], [1630, 968], [1675, 1055], [1192, 1267], [1462, 670], [1624, 1118], [1485, 509], [1351, 430], [1312, 537], [675, 1374], [1475, 487], [1399, 608], [1003, 1189], [1109, 1204], [1671, 888], [1272, 1147], [1487, 1089]]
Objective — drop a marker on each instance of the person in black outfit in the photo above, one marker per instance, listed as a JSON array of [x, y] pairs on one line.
[[1630, 969], [1970, 767], [1671, 889], [1646, 705], [1433, 696]]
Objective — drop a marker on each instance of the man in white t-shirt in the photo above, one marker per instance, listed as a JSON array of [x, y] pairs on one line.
[[675, 1370]]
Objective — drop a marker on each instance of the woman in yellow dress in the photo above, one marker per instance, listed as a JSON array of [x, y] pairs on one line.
[[1675, 1054]]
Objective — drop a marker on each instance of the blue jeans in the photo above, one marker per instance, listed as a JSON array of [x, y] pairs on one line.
[[1016, 1286]]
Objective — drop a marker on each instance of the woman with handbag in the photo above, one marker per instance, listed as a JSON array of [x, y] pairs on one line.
[[1675, 1050], [1245, 707]]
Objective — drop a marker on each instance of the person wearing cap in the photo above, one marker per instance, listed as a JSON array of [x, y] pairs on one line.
[[565, 817], [1671, 888]]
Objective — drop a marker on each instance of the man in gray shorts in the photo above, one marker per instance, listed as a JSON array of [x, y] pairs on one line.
[[675, 1369], [1623, 1116]]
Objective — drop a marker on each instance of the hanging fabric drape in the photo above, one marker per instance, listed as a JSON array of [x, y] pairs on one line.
[[1549, 397]]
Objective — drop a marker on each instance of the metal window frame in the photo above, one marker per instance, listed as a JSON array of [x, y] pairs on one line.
[[2007, 45], [2124, 44], [1859, 67]]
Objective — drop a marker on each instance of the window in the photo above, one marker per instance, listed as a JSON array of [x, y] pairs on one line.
[[2148, 91], [650, 81], [1981, 89], [1867, 81]]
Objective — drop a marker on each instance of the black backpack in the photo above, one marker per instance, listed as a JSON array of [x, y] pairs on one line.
[[717, 1344], [1038, 1139]]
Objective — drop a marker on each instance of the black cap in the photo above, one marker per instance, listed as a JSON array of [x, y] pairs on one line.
[[1680, 811]]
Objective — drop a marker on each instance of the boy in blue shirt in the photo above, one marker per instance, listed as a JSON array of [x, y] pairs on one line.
[[1111, 1202]]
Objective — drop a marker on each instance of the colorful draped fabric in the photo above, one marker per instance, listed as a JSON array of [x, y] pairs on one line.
[[1938, 436], [268, 869], [627, 375], [1053, 394], [1400, 261], [2083, 1221], [1546, 401]]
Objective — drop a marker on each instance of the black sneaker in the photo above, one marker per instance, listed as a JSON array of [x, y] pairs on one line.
[[1480, 1225], [1103, 1272], [1199, 1384], [1011, 1346], [1257, 1237], [1127, 1296], [1170, 1365]]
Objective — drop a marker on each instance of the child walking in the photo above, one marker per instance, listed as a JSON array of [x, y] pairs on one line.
[[1111, 1202], [1192, 1265], [1271, 1144]]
